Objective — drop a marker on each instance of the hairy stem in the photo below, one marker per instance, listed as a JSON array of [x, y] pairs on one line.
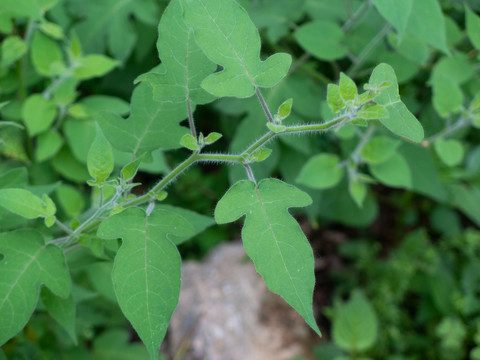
[[264, 104], [94, 220]]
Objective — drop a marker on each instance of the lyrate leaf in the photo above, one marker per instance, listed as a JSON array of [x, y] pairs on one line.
[[149, 127], [323, 39], [273, 239], [395, 12], [400, 120], [225, 33], [27, 264], [38, 114], [100, 158], [146, 273], [321, 172], [176, 82]]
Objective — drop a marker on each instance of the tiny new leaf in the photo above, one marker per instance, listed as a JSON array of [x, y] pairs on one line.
[[228, 37], [27, 263], [273, 239], [146, 272], [100, 158]]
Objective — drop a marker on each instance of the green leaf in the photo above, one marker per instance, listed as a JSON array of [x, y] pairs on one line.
[[379, 149], [14, 177], [149, 127], [284, 109], [146, 272], [358, 191], [27, 264], [447, 76], [189, 142], [115, 344], [47, 58], [428, 23], [100, 275], [48, 144], [395, 12], [130, 170], [24, 203], [38, 114], [52, 29], [355, 324], [273, 239], [322, 38], [176, 82], [370, 112], [321, 172], [70, 199], [347, 87], [276, 128], [410, 47], [260, 154], [450, 151], [334, 99], [61, 310], [473, 26], [227, 36], [100, 158], [212, 137], [198, 222], [109, 24], [91, 66], [11, 49], [393, 172], [400, 120]]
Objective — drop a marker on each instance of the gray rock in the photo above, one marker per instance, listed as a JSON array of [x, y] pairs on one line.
[[225, 312]]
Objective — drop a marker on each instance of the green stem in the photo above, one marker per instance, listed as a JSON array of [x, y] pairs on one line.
[[459, 124], [94, 220], [264, 105]]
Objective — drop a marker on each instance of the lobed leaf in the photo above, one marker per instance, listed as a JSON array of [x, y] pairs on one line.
[[227, 36], [149, 127], [146, 273], [27, 264], [176, 82], [273, 239]]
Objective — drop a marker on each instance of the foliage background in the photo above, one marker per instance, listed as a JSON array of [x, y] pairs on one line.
[[410, 265]]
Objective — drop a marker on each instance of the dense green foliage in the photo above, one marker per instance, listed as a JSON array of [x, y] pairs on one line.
[[362, 108]]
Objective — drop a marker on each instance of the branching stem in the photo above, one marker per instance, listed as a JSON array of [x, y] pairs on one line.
[[94, 220]]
